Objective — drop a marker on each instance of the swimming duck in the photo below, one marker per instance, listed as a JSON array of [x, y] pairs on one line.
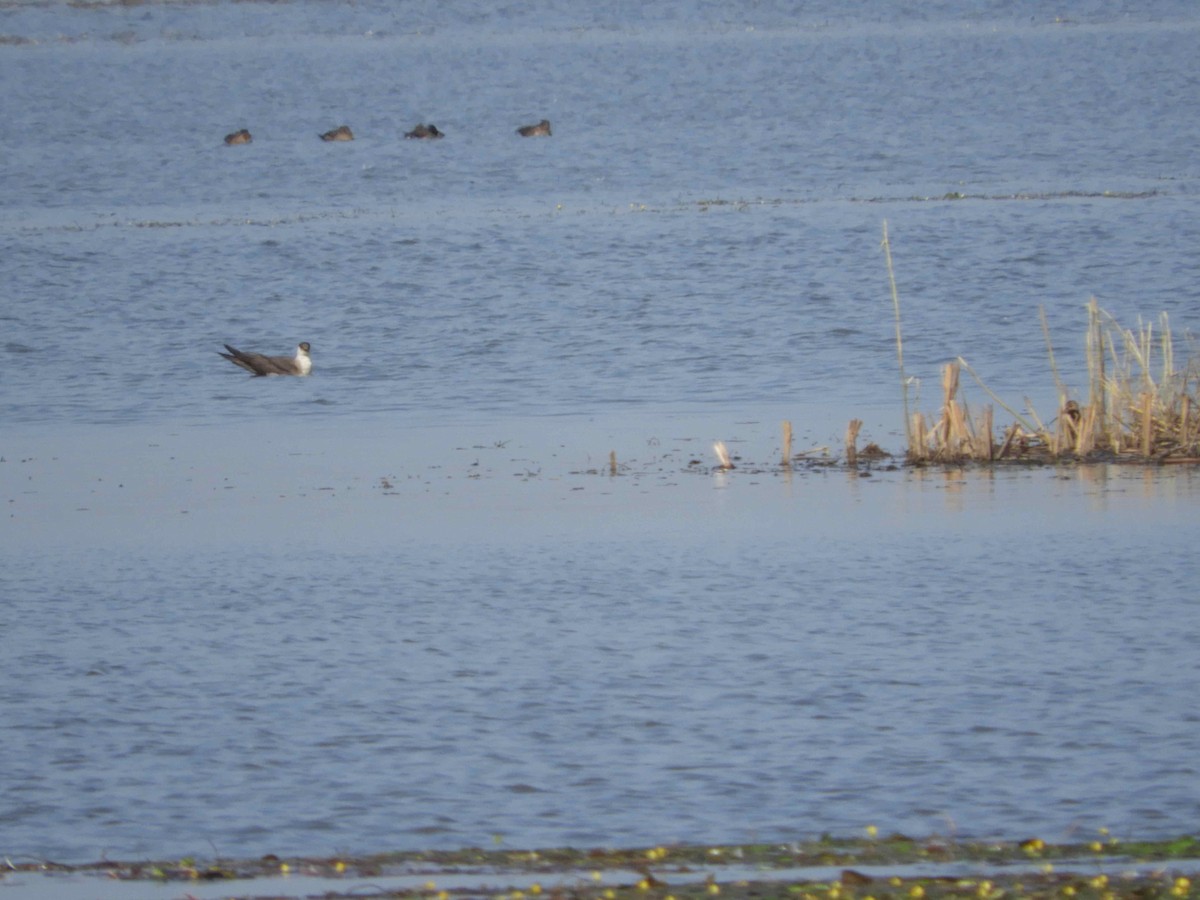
[[425, 132], [541, 129], [257, 364], [239, 137], [341, 133]]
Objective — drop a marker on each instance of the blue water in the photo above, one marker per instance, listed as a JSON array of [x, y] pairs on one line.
[[401, 603]]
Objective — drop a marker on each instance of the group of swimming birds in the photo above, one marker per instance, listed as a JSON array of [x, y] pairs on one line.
[[421, 132], [301, 363]]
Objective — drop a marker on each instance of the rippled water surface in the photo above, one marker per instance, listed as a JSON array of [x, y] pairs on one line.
[[404, 603]]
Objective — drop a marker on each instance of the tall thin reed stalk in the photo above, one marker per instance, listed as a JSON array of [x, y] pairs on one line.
[[887, 252], [1095, 360], [1058, 384]]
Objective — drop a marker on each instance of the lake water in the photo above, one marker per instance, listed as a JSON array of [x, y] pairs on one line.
[[403, 603]]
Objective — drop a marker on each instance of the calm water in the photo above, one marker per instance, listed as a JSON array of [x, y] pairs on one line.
[[397, 605]]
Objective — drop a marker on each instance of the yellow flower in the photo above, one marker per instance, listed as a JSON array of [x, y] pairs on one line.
[[916, 892], [872, 831], [1096, 846], [1033, 845], [1099, 882], [1068, 891], [714, 888], [535, 888], [339, 867]]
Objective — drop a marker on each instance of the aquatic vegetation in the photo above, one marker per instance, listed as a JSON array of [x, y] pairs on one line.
[[1138, 405], [874, 868]]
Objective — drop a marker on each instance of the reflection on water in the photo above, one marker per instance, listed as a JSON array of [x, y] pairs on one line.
[[1085, 488]]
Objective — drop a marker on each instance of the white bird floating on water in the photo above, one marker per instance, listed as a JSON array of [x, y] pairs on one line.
[[257, 364]]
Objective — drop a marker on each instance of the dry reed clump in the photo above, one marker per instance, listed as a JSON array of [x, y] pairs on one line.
[[1139, 406]]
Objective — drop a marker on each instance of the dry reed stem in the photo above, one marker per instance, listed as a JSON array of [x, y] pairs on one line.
[[964, 434], [787, 443], [1058, 384], [917, 443], [1095, 358], [946, 433], [1085, 439], [887, 252], [812, 451], [1064, 435], [1010, 437], [999, 402], [1147, 411], [955, 438], [941, 433], [985, 446], [852, 441], [612, 462]]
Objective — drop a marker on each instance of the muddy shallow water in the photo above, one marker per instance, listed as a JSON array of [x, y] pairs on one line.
[[275, 639], [894, 866]]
